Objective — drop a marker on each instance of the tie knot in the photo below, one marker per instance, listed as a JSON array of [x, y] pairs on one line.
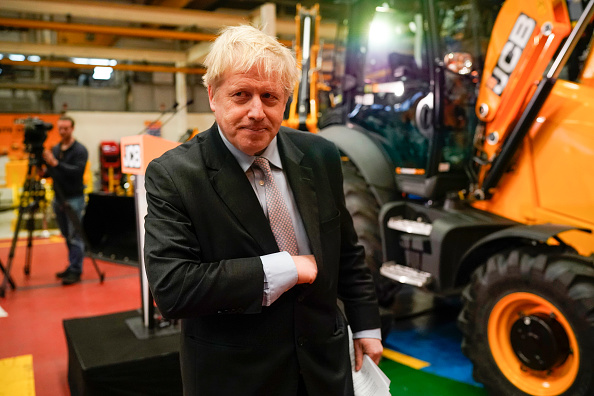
[[263, 164]]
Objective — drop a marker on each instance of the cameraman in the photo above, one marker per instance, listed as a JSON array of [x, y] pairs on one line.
[[66, 163]]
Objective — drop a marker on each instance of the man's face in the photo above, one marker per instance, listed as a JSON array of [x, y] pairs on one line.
[[65, 129], [249, 109]]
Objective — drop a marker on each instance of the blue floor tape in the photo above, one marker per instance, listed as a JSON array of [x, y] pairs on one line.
[[437, 344]]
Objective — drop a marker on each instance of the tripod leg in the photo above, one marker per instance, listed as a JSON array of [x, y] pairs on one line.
[[7, 279], [101, 274], [30, 227]]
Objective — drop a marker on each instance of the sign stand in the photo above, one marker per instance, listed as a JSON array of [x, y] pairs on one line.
[[137, 151]]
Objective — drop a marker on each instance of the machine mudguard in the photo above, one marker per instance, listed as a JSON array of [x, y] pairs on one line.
[[536, 232], [367, 156], [508, 238]]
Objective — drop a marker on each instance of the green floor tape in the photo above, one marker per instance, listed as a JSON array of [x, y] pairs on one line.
[[410, 382]]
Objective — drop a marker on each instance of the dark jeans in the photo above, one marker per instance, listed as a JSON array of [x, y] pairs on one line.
[[74, 240]]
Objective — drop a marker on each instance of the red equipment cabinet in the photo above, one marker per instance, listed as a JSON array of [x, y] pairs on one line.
[[111, 165]]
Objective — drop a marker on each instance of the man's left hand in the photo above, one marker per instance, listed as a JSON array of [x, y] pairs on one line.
[[367, 346]]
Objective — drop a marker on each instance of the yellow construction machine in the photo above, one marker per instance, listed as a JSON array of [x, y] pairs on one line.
[[303, 111], [467, 149]]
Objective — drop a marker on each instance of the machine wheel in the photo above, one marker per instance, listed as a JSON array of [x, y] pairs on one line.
[[364, 210], [528, 323]]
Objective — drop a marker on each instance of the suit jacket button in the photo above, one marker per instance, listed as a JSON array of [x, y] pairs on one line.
[[301, 340], [300, 298]]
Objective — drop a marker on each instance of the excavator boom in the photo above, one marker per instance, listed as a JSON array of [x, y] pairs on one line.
[[514, 87]]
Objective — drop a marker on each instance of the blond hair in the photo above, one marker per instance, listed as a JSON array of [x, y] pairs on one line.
[[241, 48]]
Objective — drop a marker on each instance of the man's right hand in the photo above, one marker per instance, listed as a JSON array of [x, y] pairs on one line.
[[307, 269], [49, 158]]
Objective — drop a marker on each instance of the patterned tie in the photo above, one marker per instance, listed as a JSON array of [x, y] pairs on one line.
[[278, 214]]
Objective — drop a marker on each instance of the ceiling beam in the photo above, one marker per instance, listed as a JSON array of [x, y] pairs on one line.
[[70, 51], [31, 86], [131, 13], [197, 53], [167, 3], [128, 13], [135, 13], [170, 3], [141, 68], [112, 30], [102, 29]]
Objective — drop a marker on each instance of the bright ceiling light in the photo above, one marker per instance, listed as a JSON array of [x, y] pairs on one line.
[[102, 73], [94, 61]]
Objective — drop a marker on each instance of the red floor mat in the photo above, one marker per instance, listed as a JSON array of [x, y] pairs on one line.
[[39, 304]]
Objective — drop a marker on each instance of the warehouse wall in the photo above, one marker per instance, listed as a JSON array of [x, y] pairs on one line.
[[92, 127]]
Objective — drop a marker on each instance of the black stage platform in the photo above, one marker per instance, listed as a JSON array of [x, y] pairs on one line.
[[105, 358]]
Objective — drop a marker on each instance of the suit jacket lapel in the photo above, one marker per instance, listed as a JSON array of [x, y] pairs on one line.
[[233, 187], [301, 180]]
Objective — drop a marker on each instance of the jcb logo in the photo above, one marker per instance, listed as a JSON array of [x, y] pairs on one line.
[[511, 53], [132, 156]]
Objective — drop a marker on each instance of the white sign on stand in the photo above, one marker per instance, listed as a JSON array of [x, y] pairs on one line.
[[137, 151]]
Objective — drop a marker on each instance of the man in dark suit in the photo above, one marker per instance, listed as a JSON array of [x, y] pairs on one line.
[[256, 320]]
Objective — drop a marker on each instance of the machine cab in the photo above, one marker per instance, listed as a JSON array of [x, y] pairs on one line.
[[415, 67]]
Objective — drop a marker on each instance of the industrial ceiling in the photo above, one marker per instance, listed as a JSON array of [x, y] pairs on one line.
[[142, 35]]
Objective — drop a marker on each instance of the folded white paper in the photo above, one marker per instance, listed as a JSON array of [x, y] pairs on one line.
[[370, 380]]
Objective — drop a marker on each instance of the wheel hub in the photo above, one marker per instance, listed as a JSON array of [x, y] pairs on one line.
[[539, 341]]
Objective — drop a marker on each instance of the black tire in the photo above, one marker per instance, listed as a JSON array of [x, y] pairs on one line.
[[364, 210], [509, 301]]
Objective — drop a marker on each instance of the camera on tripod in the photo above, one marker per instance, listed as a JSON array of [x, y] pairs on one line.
[[35, 134]]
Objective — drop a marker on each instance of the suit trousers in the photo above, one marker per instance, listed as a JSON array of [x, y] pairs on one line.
[[301, 391]]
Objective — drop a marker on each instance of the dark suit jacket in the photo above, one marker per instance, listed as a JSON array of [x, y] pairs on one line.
[[205, 231]]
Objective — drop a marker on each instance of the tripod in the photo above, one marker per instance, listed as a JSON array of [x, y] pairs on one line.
[[29, 202]]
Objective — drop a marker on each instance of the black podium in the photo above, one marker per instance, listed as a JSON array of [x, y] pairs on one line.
[[106, 358], [110, 225]]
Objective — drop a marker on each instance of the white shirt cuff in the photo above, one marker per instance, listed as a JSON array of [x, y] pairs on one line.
[[280, 274], [372, 333]]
